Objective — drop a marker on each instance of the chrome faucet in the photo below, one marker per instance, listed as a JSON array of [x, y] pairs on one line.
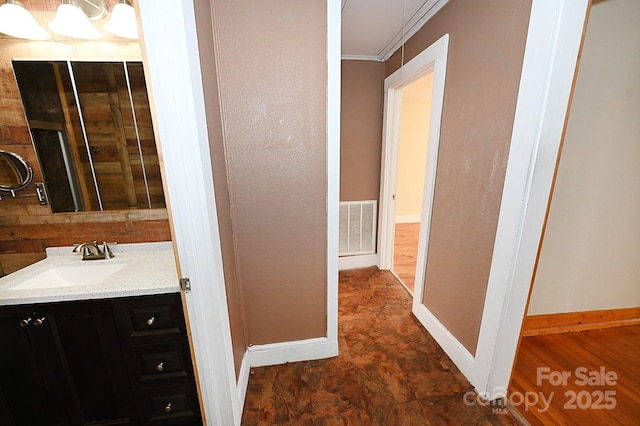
[[91, 251]]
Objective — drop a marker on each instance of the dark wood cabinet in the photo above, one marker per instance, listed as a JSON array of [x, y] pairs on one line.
[[154, 338], [105, 362], [27, 398]]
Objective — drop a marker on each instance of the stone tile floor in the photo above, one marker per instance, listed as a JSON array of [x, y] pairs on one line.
[[390, 371]]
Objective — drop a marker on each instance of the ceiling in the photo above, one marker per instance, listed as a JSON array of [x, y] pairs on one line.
[[371, 29], [374, 29]]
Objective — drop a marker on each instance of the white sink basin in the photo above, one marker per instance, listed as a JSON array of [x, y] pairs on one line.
[[71, 275]]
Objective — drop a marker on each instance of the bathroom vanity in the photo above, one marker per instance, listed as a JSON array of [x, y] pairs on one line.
[[100, 342]]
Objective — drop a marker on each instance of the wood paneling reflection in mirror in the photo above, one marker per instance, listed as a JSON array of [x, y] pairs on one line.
[[92, 130]]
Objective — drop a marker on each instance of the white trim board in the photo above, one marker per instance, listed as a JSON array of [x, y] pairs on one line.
[[334, 25], [172, 65], [243, 383], [460, 356], [355, 262], [551, 54], [372, 58], [301, 350], [408, 218]]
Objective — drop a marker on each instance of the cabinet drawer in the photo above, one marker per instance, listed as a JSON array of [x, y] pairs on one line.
[[150, 319], [159, 364], [169, 405]]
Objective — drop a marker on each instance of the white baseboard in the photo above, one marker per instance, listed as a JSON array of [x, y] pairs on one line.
[[300, 350], [354, 262], [243, 383], [408, 218], [460, 356]]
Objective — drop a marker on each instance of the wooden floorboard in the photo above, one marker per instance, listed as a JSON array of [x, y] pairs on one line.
[[613, 351], [405, 252]]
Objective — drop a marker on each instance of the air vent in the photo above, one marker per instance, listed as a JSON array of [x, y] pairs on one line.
[[357, 227]]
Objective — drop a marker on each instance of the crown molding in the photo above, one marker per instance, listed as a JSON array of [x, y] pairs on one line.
[[412, 25], [361, 58]]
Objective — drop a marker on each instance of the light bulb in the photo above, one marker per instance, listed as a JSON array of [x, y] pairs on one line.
[[123, 21], [16, 21], [71, 21]]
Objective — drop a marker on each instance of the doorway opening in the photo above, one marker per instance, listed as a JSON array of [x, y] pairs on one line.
[[412, 160], [407, 183], [583, 312]]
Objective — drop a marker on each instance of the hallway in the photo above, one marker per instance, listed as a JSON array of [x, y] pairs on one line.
[[390, 371]]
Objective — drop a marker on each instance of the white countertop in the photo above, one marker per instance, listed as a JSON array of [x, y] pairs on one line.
[[150, 269]]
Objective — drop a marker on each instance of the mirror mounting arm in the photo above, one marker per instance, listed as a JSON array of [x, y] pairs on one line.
[[40, 193]]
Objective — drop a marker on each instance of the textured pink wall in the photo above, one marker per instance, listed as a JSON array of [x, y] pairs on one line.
[[362, 101], [486, 48], [204, 24], [273, 84]]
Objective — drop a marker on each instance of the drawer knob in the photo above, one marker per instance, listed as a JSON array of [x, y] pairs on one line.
[[151, 321], [39, 321], [25, 322], [160, 366], [167, 408]]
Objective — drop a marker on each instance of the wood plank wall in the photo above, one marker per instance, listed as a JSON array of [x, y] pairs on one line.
[[26, 227], [111, 131]]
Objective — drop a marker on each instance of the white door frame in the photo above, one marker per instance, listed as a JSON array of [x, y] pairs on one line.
[[433, 59], [334, 72], [170, 48], [551, 54]]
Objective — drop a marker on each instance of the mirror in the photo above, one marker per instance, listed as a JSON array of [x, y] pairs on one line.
[[91, 128], [15, 174]]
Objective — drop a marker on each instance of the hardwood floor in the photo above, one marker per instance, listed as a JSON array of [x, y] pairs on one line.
[[390, 371], [607, 358], [405, 252]]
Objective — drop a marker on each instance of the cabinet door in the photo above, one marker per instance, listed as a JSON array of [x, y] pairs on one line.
[[87, 340], [28, 391]]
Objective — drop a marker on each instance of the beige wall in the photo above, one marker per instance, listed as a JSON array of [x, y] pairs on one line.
[[235, 302], [591, 249], [361, 130], [486, 48], [273, 85], [412, 152]]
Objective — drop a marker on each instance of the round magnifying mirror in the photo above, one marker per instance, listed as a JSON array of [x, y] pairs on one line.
[[94, 9], [15, 174]]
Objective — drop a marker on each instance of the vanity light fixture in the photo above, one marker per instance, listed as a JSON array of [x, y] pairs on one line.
[[71, 21], [16, 21], [123, 20]]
